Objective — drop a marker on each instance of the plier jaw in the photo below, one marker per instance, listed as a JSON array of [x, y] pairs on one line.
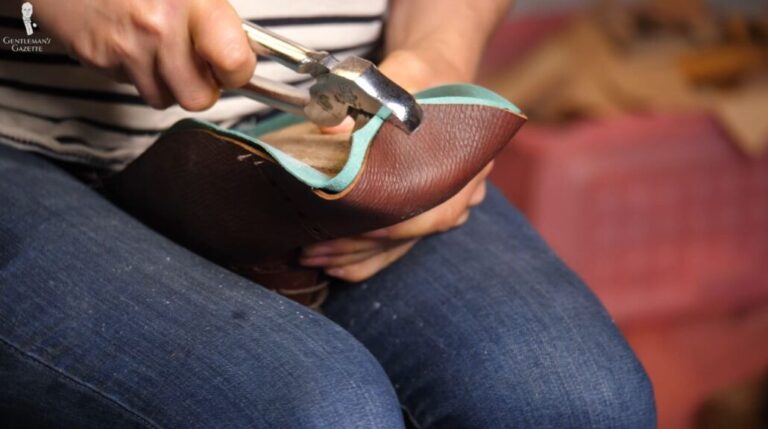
[[350, 87]]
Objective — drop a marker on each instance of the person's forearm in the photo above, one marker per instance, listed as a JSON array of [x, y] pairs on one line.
[[448, 35]]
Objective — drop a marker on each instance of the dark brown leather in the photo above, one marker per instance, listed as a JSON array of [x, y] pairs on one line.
[[234, 204]]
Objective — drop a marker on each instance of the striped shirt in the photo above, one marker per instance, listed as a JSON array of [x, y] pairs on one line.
[[50, 104]]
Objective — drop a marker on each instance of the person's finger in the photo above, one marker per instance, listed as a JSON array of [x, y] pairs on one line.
[[186, 74], [341, 246], [218, 37], [144, 75], [369, 267], [439, 219], [344, 127], [484, 172], [478, 195], [341, 259], [118, 74], [462, 219]]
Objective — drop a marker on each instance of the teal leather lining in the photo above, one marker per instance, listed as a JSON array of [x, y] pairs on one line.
[[447, 94]]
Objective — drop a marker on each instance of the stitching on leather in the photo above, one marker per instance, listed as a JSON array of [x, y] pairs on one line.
[[304, 220], [81, 383], [246, 146]]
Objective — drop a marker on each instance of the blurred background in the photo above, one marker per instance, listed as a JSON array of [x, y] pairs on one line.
[[645, 166]]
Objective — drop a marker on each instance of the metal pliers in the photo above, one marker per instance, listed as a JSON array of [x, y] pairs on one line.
[[350, 87]]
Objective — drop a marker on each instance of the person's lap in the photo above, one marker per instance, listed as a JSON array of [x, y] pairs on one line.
[[104, 321], [486, 327], [153, 334]]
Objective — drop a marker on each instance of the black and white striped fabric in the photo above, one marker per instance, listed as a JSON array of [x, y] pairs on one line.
[[52, 105]]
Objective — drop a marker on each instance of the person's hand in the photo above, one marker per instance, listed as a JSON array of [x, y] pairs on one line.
[[172, 50], [355, 259]]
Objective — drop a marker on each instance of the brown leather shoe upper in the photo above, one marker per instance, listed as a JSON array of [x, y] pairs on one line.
[[230, 201]]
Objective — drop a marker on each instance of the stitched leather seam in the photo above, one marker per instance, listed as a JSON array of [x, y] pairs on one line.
[[312, 227], [243, 145], [106, 398]]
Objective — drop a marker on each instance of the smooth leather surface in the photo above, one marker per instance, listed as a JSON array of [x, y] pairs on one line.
[[231, 202]]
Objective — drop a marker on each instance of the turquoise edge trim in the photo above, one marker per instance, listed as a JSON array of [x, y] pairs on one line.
[[447, 94]]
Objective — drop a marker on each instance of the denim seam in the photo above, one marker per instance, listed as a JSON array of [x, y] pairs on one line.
[[76, 381]]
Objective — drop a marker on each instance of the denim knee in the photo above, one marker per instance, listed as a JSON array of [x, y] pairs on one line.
[[597, 392], [618, 396], [333, 382], [306, 392], [323, 393]]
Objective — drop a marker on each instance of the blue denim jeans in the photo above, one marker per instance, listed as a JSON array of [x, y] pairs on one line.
[[104, 322]]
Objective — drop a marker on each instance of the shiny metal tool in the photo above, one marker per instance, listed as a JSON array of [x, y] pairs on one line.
[[350, 87]]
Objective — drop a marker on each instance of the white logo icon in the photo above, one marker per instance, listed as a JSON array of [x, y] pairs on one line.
[[26, 16]]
